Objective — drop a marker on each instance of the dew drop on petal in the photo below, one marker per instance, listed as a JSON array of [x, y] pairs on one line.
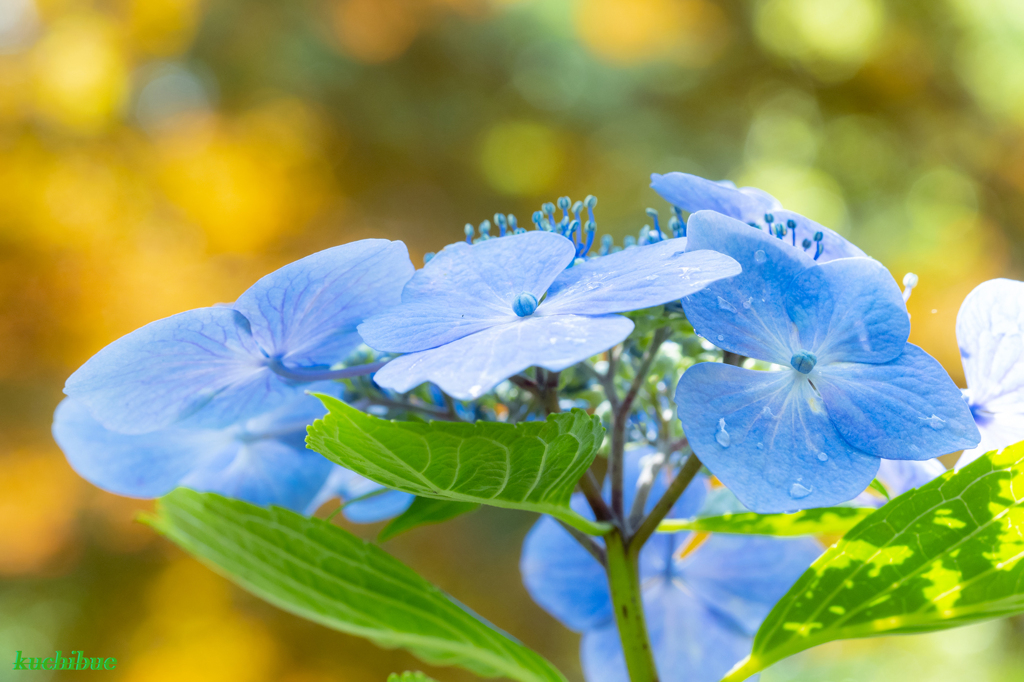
[[747, 303], [721, 338], [722, 436], [936, 422], [760, 446], [822, 457], [798, 491], [725, 305], [760, 256]]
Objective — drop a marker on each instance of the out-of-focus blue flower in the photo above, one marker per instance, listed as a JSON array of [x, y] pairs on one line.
[[851, 391], [263, 460], [898, 476], [756, 208], [222, 365], [990, 331], [704, 597], [476, 315]]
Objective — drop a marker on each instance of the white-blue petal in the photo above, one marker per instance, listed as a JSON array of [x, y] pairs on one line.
[[200, 360], [745, 314], [768, 437], [465, 289], [990, 331], [636, 278], [907, 408], [306, 313], [692, 193], [849, 310], [471, 366]]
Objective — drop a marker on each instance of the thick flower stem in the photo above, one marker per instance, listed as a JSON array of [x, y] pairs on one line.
[[624, 580]]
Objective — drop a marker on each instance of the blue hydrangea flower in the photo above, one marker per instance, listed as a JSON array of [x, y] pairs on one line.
[[851, 389], [990, 331], [704, 597], [262, 460], [754, 207], [222, 365], [476, 315]]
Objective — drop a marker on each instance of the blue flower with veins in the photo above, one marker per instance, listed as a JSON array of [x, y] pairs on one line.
[[990, 331], [476, 315], [704, 596], [755, 207], [262, 460], [222, 365], [851, 389]]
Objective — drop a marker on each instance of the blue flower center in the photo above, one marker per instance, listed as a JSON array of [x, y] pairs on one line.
[[803, 361], [526, 303], [782, 229]]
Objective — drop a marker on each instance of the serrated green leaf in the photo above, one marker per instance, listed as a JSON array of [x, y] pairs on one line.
[[325, 574], [939, 556], [532, 466], [424, 511], [822, 520], [410, 676]]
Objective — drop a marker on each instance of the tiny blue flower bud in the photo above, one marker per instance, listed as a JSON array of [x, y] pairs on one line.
[[576, 208], [499, 220], [677, 226], [791, 224], [818, 236], [525, 304], [485, 229], [807, 244], [910, 280], [803, 361], [548, 209], [590, 202], [469, 230], [769, 218], [628, 241], [512, 222], [519, 230], [564, 203]]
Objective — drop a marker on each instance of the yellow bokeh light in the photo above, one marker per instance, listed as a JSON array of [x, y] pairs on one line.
[[808, 191], [162, 27], [689, 32], [832, 39], [39, 496], [522, 158], [375, 31], [80, 73]]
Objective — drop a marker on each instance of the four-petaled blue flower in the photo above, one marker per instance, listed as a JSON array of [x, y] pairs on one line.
[[704, 596], [476, 315], [222, 365], [852, 389], [990, 331], [756, 208], [262, 460]]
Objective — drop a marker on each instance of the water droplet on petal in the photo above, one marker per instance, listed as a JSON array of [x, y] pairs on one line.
[[798, 491], [722, 436], [747, 303], [725, 305], [936, 422], [721, 338], [760, 256], [822, 457], [760, 446]]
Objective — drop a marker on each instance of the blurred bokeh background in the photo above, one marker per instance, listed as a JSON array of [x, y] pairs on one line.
[[159, 155]]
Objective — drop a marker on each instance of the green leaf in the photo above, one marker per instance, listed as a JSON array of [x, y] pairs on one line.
[[823, 520], [877, 486], [424, 511], [409, 676], [939, 556], [325, 574], [532, 466]]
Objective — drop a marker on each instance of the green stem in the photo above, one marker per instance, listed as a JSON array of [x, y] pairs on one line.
[[624, 581]]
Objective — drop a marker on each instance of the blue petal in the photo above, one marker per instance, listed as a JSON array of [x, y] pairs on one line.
[[849, 310], [767, 436], [990, 331], [907, 408], [899, 476], [470, 367], [306, 312], [741, 577], [562, 577], [146, 466], [690, 642], [747, 313], [636, 278], [466, 289], [635, 462], [692, 193], [749, 204], [171, 368], [347, 485]]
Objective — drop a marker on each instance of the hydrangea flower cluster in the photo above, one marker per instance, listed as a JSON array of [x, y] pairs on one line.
[[744, 346]]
